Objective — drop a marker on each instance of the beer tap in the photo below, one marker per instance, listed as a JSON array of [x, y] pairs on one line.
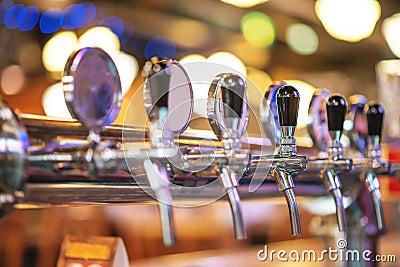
[[156, 93], [228, 115], [286, 161], [334, 164], [375, 166]]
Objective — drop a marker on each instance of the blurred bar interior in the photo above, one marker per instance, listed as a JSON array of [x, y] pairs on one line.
[[347, 46]]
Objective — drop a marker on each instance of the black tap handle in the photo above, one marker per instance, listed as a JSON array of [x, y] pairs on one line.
[[375, 113], [288, 99], [233, 89], [336, 108], [275, 85], [158, 80]]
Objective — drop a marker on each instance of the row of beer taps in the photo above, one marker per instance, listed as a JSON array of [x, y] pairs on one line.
[[231, 163], [227, 105]]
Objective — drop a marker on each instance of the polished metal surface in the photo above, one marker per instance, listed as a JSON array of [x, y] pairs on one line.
[[220, 123], [92, 88], [13, 145]]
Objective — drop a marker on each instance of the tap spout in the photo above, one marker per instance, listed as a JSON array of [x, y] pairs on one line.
[[285, 184], [158, 180], [229, 181], [372, 183], [333, 186]]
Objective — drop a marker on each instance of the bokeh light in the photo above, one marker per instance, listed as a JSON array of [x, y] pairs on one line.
[[229, 60], [128, 69], [192, 58], [257, 83], [28, 18], [90, 13], [160, 47], [390, 30], [53, 102], [302, 39], [74, 16], [244, 3], [57, 50], [4, 6], [258, 29], [12, 79], [51, 20], [114, 23], [201, 73], [101, 37], [346, 20], [11, 16]]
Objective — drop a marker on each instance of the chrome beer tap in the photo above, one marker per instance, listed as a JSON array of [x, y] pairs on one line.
[[157, 90], [335, 164], [285, 162], [375, 165], [228, 116]]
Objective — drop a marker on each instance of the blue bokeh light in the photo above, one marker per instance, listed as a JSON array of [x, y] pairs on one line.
[[127, 34], [90, 13], [51, 20], [74, 16], [28, 18], [11, 17], [160, 47], [4, 6], [114, 23]]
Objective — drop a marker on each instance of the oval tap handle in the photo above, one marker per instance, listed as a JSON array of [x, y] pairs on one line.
[[158, 80], [375, 113], [336, 108], [233, 89], [288, 99], [227, 107]]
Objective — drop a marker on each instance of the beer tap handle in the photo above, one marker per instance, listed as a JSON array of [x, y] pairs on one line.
[[233, 89], [229, 123], [228, 90], [375, 114], [158, 78], [336, 108], [288, 99]]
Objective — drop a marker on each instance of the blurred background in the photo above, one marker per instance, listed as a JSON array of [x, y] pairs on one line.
[[333, 44]]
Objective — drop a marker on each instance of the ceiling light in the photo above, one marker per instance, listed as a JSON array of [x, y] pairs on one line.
[[128, 68], [348, 20], [390, 30], [302, 39], [12, 79], [58, 49], [258, 29], [101, 37], [244, 3], [53, 102]]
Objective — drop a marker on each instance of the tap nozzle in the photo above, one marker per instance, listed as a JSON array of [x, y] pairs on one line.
[[375, 115], [229, 123], [333, 186], [336, 108], [372, 184], [159, 92], [288, 99], [158, 179]]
